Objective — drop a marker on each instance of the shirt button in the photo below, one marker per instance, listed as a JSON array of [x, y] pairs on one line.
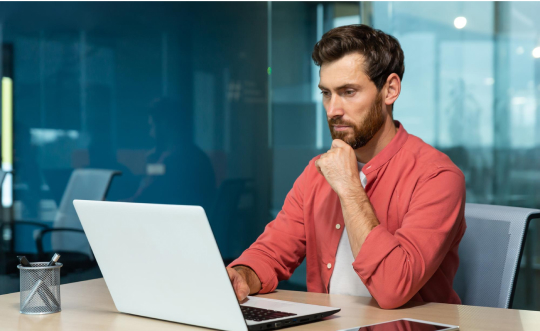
[[338, 226], [329, 265]]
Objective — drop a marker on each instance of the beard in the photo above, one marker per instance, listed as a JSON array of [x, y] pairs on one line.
[[362, 132]]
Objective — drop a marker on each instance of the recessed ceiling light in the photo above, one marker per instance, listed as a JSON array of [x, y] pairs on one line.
[[536, 52], [460, 22]]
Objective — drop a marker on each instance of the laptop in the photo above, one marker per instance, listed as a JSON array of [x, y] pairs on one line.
[[162, 261]]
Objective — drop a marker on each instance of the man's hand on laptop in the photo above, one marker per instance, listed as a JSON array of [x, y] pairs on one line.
[[244, 281]]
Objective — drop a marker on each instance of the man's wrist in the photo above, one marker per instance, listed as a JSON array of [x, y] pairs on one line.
[[250, 277], [354, 193], [242, 270]]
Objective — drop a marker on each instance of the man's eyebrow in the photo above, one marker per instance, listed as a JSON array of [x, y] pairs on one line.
[[341, 87]]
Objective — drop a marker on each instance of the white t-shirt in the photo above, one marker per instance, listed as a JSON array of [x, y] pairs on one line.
[[344, 279]]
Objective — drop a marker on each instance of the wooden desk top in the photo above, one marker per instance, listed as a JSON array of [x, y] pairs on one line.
[[88, 306]]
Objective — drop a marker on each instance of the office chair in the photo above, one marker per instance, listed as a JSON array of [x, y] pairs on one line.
[[490, 254], [67, 235]]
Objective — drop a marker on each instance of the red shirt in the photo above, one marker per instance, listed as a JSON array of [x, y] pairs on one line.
[[418, 195]]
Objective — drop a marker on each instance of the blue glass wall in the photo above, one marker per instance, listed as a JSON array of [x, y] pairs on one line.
[[173, 95]]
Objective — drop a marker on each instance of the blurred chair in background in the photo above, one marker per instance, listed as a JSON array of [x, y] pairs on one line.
[[490, 254], [67, 236]]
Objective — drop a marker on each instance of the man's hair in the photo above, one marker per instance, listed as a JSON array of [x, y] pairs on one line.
[[382, 52]]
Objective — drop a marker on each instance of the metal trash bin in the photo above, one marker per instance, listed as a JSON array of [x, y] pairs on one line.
[[40, 288]]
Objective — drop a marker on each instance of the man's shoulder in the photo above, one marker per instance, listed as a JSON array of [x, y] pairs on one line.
[[431, 159]]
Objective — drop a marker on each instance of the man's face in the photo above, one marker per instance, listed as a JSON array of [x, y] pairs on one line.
[[354, 107]]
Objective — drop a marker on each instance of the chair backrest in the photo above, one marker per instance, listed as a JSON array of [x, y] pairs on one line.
[[84, 184], [490, 253]]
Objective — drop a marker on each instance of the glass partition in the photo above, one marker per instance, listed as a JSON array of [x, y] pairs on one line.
[[172, 95]]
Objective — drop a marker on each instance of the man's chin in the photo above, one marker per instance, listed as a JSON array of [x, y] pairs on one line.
[[345, 136], [352, 142]]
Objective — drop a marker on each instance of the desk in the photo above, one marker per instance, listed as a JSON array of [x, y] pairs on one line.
[[88, 306]]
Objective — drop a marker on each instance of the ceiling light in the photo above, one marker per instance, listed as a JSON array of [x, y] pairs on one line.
[[460, 22], [536, 52]]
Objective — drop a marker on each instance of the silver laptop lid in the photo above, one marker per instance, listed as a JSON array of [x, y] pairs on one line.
[[147, 254]]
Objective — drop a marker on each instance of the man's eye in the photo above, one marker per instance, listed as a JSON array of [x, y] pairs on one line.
[[350, 92], [325, 93]]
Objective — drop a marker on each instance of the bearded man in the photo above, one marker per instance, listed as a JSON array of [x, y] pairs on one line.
[[381, 213]]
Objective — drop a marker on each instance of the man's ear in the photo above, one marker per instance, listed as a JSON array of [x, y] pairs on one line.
[[393, 89]]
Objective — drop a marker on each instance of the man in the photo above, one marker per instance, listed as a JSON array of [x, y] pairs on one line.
[[381, 213]]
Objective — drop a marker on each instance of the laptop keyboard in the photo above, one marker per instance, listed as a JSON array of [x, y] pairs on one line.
[[260, 314]]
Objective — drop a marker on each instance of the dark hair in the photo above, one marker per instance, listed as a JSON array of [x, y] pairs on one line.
[[382, 52]]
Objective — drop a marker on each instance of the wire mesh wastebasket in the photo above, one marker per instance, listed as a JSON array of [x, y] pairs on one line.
[[40, 288]]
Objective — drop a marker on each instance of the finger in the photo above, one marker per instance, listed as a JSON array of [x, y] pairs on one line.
[[338, 143], [243, 292], [234, 277], [241, 288]]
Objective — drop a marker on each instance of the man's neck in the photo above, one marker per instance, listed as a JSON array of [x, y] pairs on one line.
[[379, 141]]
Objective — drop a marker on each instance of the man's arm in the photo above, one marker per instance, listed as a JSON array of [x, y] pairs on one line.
[[359, 218], [340, 169], [395, 267]]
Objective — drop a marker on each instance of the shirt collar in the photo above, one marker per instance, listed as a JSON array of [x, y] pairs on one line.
[[389, 151]]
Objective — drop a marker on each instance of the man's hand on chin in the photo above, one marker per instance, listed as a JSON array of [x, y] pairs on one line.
[[340, 168]]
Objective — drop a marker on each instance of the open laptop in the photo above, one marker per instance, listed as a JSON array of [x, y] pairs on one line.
[[162, 261]]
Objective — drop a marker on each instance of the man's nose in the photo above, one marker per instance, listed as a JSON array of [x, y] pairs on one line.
[[334, 107]]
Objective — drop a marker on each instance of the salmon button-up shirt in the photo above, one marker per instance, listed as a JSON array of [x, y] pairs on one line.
[[418, 195]]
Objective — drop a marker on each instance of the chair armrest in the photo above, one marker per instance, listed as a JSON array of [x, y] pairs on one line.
[[39, 237]]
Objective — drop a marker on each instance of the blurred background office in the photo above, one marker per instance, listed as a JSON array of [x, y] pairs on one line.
[[216, 104]]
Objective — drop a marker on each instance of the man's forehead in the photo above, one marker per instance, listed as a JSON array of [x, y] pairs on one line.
[[348, 69]]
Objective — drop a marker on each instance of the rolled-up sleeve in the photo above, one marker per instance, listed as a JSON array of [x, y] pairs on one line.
[[394, 267], [282, 246]]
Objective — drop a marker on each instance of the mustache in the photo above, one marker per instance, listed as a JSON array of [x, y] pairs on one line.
[[339, 121]]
